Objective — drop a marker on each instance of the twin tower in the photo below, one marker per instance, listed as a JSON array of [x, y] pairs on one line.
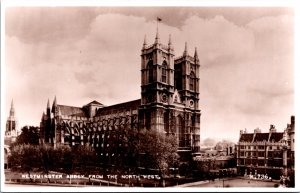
[[170, 93]]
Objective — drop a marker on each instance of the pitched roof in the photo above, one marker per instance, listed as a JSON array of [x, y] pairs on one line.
[[276, 137], [261, 137], [94, 102], [71, 111], [127, 106], [246, 137]]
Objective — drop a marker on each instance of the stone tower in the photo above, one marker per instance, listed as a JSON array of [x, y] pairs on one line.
[[187, 78], [11, 123], [157, 82], [170, 94]]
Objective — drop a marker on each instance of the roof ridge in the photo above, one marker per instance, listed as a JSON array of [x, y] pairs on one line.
[[69, 106]]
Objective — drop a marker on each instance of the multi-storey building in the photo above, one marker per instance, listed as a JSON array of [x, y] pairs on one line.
[[169, 104], [269, 153]]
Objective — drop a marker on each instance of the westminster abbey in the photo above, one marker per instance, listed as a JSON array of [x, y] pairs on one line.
[[169, 103]]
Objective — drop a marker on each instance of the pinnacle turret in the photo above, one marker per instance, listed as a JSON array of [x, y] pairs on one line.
[[145, 41], [48, 104], [156, 36], [196, 55], [170, 41], [12, 109], [185, 52], [54, 105]]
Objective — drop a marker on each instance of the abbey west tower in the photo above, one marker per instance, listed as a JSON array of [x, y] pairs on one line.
[[170, 93]]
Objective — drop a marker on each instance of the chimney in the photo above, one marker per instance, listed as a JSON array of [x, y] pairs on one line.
[[257, 130], [293, 120], [241, 132], [272, 128]]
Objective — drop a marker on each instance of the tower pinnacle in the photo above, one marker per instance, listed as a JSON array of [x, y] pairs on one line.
[[54, 103], [48, 104], [196, 58], [157, 34], [145, 41], [196, 54], [170, 40], [12, 109], [185, 52]]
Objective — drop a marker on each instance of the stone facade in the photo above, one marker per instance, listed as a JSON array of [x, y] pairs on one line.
[[169, 104], [271, 153]]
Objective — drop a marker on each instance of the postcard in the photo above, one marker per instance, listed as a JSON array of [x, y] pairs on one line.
[[139, 97]]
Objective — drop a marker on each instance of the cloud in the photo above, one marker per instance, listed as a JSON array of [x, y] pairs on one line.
[[81, 54], [37, 24]]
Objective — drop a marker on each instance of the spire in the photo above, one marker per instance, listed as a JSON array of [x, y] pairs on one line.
[[170, 41], [196, 54], [157, 34], [48, 104], [145, 41], [43, 115], [54, 105], [185, 52], [12, 109]]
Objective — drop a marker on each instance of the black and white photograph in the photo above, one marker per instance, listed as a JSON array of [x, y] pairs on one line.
[[128, 98]]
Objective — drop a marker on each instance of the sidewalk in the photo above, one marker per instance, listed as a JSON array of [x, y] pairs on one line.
[[192, 184]]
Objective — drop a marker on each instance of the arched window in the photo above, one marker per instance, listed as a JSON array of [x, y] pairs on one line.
[[164, 72], [192, 81], [150, 71], [180, 130]]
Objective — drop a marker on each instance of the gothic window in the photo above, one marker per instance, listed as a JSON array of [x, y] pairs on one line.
[[178, 78], [150, 71], [164, 72], [180, 130], [192, 81]]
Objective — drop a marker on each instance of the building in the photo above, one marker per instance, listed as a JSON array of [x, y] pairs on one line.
[[269, 153], [169, 103], [11, 133]]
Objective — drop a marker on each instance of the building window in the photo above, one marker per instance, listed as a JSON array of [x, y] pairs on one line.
[[164, 72], [261, 162], [192, 81], [261, 154], [150, 71]]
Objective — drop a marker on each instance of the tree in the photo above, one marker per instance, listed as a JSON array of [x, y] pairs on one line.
[[159, 150], [62, 156], [209, 142], [26, 157], [29, 135], [84, 156], [46, 153]]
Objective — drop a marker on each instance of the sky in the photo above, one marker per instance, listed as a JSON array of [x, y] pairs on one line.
[[81, 54]]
